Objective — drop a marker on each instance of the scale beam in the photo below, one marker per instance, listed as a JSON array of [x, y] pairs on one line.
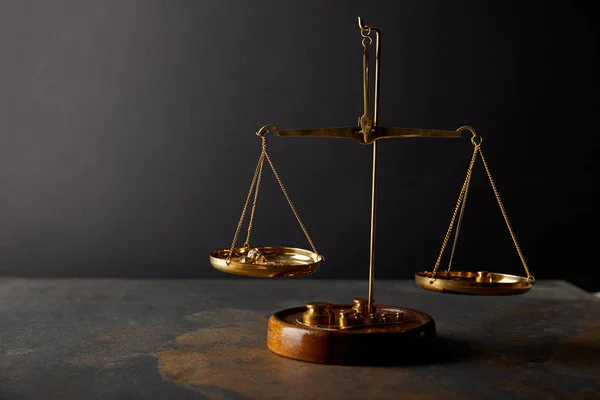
[[375, 134]]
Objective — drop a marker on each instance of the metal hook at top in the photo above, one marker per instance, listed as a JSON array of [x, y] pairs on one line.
[[365, 33], [475, 138], [366, 28], [362, 26], [262, 132], [369, 118]]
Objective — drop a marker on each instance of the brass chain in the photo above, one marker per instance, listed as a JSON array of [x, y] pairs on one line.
[[456, 208], [367, 40], [503, 210], [289, 199], [254, 187], [460, 218], [258, 180], [461, 203], [241, 221]]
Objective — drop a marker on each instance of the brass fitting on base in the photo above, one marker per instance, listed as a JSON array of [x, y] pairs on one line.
[[373, 318], [361, 305], [398, 317], [385, 318], [348, 318], [318, 314]]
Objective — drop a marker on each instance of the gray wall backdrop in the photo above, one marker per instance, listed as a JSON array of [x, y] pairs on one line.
[[127, 133]]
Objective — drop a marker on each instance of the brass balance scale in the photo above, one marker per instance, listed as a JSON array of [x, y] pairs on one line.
[[362, 332]]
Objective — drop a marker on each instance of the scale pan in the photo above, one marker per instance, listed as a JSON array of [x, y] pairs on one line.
[[278, 262], [481, 283]]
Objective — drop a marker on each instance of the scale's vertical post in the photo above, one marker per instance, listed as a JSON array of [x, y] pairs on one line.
[[366, 88], [373, 223]]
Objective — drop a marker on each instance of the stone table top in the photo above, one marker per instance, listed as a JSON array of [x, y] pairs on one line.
[[206, 339]]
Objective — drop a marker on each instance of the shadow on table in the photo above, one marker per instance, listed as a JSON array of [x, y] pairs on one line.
[[445, 350], [442, 350]]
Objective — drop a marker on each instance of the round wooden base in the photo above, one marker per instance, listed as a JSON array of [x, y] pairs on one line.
[[368, 345]]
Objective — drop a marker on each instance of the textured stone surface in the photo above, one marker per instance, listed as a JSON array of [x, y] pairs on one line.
[[192, 339]]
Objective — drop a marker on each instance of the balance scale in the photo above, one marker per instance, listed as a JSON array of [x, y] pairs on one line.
[[361, 332]]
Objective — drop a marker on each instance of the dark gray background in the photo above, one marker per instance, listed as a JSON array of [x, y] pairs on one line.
[[127, 133]]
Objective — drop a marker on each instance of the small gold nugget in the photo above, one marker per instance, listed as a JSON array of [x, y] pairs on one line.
[[254, 256]]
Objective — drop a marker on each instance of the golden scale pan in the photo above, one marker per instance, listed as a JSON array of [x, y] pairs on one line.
[[265, 261], [279, 261], [376, 329], [474, 282]]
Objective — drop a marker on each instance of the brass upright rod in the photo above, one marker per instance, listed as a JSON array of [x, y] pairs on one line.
[[374, 174], [373, 223]]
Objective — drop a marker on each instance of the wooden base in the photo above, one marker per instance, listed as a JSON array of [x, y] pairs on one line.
[[368, 345]]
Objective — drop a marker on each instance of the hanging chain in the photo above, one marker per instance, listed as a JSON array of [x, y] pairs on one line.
[[456, 208], [258, 180], [460, 217], [367, 40], [254, 187], [257, 172], [503, 210], [289, 199], [461, 203]]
